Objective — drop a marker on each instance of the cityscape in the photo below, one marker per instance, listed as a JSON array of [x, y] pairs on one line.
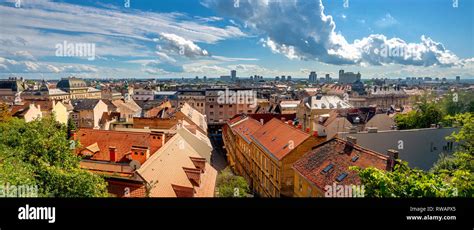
[[247, 99]]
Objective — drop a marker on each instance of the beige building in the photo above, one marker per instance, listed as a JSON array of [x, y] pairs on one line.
[[87, 112], [311, 108], [195, 98], [223, 104], [28, 111]]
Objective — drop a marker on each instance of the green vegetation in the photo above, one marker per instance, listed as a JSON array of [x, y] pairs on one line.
[[230, 185], [451, 176], [430, 111], [38, 154]]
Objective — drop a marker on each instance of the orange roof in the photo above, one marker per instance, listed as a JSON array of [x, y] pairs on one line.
[[122, 141], [341, 156], [278, 138], [246, 127]]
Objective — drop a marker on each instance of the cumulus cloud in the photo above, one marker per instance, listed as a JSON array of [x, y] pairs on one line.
[[301, 30], [180, 46]]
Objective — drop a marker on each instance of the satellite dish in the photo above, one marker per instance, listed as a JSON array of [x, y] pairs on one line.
[[135, 165]]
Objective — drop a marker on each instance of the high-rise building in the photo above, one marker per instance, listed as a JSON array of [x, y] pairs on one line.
[[348, 77], [313, 77], [233, 74], [458, 79], [283, 78]]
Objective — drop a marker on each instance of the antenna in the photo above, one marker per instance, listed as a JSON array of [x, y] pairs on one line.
[[135, 165]]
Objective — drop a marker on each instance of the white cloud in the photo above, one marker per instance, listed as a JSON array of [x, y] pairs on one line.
[[301, 30], [38, 25], [11, 66], [180, 46]]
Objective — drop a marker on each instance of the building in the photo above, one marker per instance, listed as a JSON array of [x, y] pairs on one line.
[[87, 112], [287, 107], [421, 148], [223, 104], [48, 108], [11, 89], [195, 98], [348, 77], [233, 75], [27, 111], [312, 107], [385, 98], [143, 94], [75, 88], [353, 120], [313, 77], [236, 135], [178, 169], [263, 153], [326, 167]]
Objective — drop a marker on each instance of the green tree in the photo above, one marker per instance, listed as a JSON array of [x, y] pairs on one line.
[[423, 116], [457, 102], [40, 150], [230, 185], [4, 112], [450, 176]]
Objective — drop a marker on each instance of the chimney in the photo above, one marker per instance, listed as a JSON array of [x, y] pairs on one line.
[[351, 140], [262, 121], [392, 157], [315, 134], [290, 123], [307, 130], [300, 126], [283, 119], [113, 154]]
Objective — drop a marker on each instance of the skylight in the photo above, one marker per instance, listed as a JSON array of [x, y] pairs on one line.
[[341, 177], [329, 167]]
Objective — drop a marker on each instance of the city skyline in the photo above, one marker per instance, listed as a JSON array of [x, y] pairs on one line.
[[210, 38]]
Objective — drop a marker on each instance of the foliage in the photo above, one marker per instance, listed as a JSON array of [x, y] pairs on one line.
[[451, 176], [4, 112], [41, 155], [425, 114], [230, 185], [457, 103]]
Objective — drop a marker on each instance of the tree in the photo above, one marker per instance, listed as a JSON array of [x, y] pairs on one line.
[[426, 113], [40, 150], [4, 112], [450, 176], [230, 185], [457, 103]]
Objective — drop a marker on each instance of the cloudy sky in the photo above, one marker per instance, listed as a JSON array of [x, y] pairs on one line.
[[187, 38]]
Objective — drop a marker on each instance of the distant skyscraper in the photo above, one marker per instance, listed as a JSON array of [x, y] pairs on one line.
[[233, 74], [458, 79], [313, 77], [283, 78], [288, 78]]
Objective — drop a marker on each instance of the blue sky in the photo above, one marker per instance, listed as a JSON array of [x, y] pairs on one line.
[[186, 38]]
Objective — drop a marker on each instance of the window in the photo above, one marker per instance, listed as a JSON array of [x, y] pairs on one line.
[[355, 158], [211, 106], [341, 177], [328, 168]]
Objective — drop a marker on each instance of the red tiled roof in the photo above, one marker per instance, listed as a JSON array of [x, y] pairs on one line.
[[278, 137], [122, 141], [337, 152], [247, 127], [268, 116]]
